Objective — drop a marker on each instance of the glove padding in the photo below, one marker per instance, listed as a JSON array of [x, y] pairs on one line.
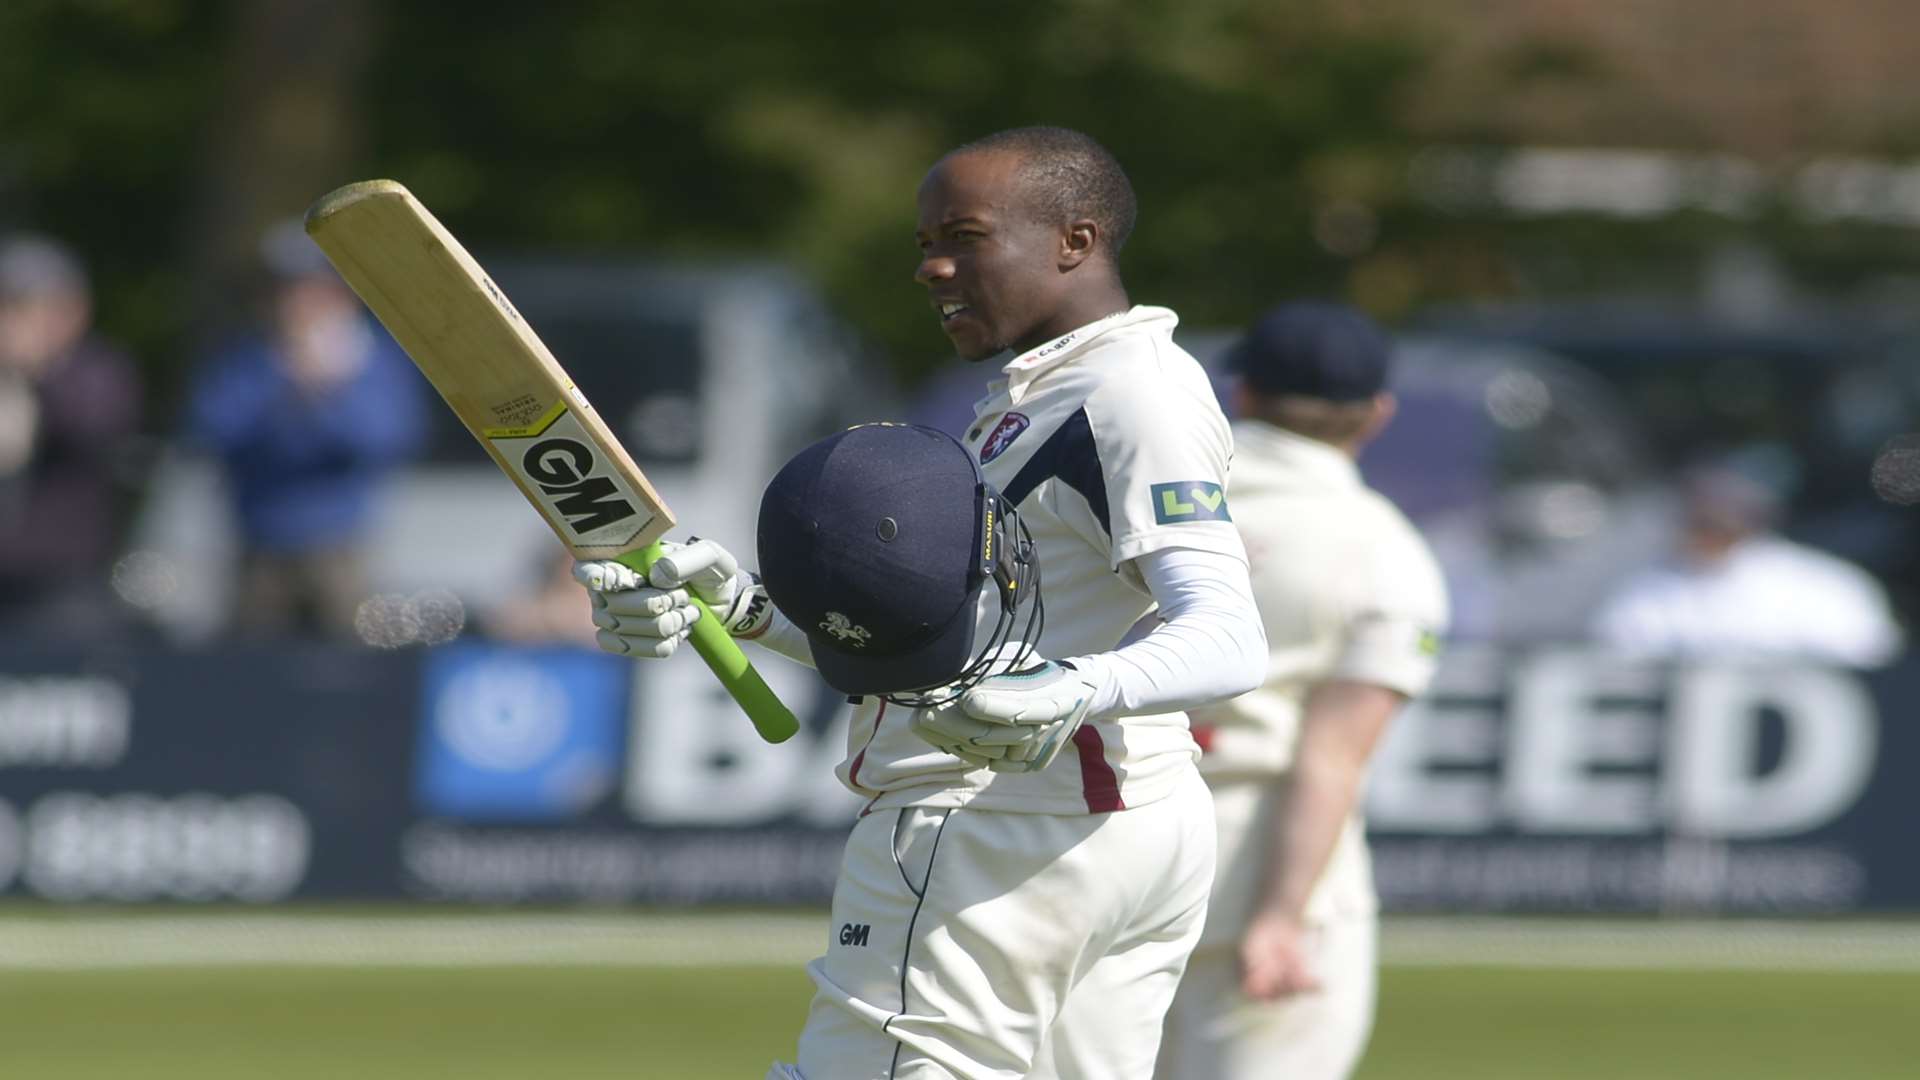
[[1013, 722], [649, 617]]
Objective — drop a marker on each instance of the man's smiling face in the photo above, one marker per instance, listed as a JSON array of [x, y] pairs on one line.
[[991, 267]]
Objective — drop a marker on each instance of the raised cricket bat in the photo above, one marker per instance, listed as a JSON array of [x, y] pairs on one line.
[[515, 398]]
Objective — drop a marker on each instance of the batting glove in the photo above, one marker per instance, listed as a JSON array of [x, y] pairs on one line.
[[947, 727], [649, 617], [1016, 722]]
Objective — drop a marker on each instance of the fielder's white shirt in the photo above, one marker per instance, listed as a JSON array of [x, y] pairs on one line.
[[1766, 597], [1111, 443], [1347, 589]]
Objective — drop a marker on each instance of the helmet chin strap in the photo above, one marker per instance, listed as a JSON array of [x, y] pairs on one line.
[[1025, 586]]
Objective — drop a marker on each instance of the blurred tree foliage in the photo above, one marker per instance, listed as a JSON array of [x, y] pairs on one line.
[[1269, 141], [803, 130], [101, 105], [726, 128]]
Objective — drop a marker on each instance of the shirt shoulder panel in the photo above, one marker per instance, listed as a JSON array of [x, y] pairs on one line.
[[1070, 455], [1164, 449], [1405, 574]]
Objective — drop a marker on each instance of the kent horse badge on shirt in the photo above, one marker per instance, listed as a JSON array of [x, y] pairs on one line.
[[1002, 436]]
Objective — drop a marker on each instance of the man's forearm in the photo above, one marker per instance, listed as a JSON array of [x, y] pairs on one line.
[[1210, 645], [1340, 724], [1312, 812]]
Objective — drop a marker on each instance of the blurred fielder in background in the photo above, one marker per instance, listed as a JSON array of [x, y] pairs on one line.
[[1031, 869], [1282, 984]]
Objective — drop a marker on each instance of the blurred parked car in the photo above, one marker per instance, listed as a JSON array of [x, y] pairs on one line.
[[1525, 473], [1822, 391]]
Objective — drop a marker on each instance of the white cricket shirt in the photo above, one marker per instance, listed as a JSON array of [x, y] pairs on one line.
[[1346, 589], [1110, 442]]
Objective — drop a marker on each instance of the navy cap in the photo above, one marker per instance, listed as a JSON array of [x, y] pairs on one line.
[[870, 542], [1317, 350]]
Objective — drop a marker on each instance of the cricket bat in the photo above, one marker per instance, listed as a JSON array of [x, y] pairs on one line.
[[510, 392]]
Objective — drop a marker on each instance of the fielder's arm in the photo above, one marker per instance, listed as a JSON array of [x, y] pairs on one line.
[[1339, 727]]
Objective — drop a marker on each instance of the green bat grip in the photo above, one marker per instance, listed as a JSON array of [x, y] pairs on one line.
[[773, 720]]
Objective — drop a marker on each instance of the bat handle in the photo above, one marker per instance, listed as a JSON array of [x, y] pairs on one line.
[[773, 720]]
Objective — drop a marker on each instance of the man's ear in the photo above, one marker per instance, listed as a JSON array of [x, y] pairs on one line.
[[1385, 408], [1078, 241], [1241, 400]]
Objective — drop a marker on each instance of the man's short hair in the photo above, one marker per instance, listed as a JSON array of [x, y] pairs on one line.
[[1317, 418], [1069, 175]]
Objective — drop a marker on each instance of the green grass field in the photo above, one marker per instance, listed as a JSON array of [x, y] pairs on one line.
[[581, 1021]]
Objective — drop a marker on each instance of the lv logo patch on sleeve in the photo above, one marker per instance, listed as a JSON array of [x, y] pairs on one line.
[[1188, 500]]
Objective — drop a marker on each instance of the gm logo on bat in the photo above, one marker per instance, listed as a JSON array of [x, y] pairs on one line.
[[561, 466]]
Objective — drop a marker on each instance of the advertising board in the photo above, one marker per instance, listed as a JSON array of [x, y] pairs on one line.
[[1550, 780]]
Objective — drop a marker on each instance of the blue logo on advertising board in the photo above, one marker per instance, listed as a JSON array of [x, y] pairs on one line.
[[518, 735]]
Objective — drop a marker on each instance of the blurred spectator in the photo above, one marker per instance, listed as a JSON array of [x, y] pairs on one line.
[[553, 611], [69, 414], [309, 416], [1735, 587]]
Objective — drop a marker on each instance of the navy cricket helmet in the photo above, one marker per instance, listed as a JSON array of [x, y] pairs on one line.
[[877, 542]]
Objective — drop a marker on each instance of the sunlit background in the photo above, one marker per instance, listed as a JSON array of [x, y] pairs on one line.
[[308, 766]]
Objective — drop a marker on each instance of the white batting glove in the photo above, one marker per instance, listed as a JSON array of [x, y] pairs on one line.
[[650, 617], [1015, 722], [947, 727]]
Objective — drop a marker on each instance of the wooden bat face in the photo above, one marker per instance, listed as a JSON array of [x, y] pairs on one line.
[[491, 368]]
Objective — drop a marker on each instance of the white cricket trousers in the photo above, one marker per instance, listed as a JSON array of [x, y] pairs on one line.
[[1215, 1032], [988, 945]]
